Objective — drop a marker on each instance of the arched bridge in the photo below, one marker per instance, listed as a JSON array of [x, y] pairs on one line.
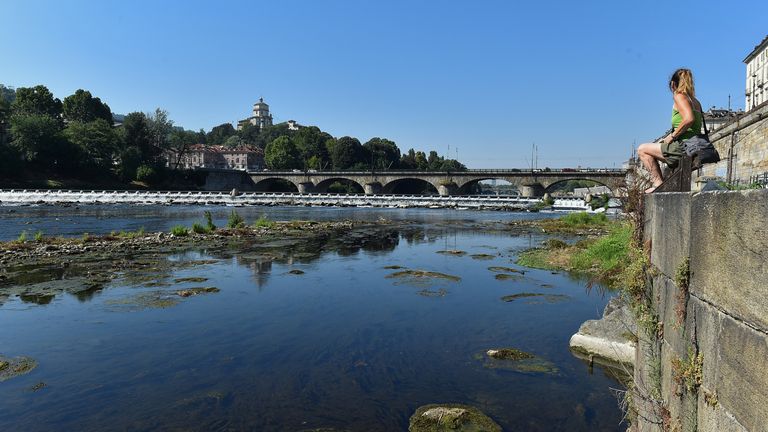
[[531, 183]]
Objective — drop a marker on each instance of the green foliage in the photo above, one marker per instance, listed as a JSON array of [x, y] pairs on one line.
[[37, 137], [82, 107], [219, 134], [382, 153], [263, 222], [160, 128], [146, 173], [609, 254], [687, 373], [281, 154], [179, 231], [345, 152], [37, 100], [235, 220], [584, 219], [198, 228], [96, 141], [22, 237], [39, 236], [209, 221]]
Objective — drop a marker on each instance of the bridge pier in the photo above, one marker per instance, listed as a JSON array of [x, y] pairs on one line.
[[446, 189], [306, 187], [372, 188], [535, 190]]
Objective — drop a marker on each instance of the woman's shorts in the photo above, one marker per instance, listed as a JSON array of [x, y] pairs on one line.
[[672, 152]]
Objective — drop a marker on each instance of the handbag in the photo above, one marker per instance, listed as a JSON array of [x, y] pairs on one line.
[[700, 149]]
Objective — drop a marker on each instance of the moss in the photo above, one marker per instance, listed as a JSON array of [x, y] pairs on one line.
[[508, 354], [451, 417]]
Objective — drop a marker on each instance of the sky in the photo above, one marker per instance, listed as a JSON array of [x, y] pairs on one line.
[[482, 81]]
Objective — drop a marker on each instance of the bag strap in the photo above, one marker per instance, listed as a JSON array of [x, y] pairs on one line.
[[704, 122]]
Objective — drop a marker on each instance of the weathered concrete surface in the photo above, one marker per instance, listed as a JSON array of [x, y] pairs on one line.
[[729, 253], [721, 319], [607, 338]]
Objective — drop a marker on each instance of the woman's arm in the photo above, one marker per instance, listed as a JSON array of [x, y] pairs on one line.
[[685, 109]]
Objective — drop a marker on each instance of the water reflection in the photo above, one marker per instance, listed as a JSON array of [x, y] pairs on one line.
[[341, 346]]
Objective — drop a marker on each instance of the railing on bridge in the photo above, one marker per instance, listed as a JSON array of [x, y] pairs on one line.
[[468, 171]]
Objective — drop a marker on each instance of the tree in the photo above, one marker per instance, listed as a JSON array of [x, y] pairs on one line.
[[310, 142], [452, 165], [36, 137], [36, 100], [179, 143], [220, 133], [421, 161], [160, 128], [83, 107], [136, 147], [345, 153], [96, 140], [249, 135], [384, 153], [434, 161], [233, 141], [281, 154]]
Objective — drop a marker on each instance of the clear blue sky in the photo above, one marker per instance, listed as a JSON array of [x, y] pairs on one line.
[[581, 79]]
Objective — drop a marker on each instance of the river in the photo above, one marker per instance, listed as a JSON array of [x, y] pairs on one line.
[[329, 336]]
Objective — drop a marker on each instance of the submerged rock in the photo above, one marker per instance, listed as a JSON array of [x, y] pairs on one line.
[[196, 291], [453, 252], [497, 269], [393, 267], [536, 298], [296, 272], [507, 276], [609, 340], [429, 293], [515, 360], [483, 257], [451, 417], [191, 279], [421, 277], [16, 366], [508, 354]]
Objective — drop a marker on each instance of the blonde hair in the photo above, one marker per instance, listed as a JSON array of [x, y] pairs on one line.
[[682, 82]]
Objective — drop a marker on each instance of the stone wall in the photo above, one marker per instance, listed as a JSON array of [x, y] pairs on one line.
[[742, 144], [705, 367], [226, 180]]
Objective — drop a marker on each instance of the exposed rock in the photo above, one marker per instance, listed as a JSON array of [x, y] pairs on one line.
[[13, 367], [484, 257], [453, 252], [196, 291], [536, 297], [508, 354], [296, 272], [191, 279], [608, 340], [421, 277], [497, 269], [451, 417]]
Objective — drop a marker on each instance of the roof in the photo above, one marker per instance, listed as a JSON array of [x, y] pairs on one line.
[[757, 49]]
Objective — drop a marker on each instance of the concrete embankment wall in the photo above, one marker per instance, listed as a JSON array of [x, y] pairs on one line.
[[707, 369], [226, 180]]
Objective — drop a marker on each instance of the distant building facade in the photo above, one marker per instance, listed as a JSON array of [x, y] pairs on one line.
[[757, 75], [717, 117], [219, 157], [260, 116]]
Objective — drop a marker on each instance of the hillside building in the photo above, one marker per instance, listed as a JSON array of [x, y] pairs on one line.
[[260, 116], [757, 75]]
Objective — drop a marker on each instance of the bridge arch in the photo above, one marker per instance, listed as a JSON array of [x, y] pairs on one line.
[[275, 184], [469, 186], [549, 188], [410, 185], [323, 185]]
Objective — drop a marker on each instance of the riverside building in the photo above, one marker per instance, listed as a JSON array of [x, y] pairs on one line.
[[218, 157], [757, 75]]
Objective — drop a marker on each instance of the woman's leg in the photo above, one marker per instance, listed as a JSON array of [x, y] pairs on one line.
[[650, 154]]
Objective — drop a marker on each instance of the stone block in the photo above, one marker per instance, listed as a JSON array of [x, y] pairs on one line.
[[669, 219], [729, 252], [742, 383], [707, 329], [715, 418]]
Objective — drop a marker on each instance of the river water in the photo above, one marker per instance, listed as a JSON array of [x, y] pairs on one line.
[[346, 345]]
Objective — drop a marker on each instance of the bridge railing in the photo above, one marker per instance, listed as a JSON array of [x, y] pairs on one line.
[[468, 171]]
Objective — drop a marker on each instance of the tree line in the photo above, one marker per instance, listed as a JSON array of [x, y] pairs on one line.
[[77, 136]]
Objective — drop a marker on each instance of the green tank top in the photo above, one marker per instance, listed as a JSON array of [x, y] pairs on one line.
[[692, 131]]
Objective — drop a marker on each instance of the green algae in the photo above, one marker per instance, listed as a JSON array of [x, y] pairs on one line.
[[451, 417]]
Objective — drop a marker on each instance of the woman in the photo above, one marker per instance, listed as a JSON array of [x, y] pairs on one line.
[[686, 123]]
